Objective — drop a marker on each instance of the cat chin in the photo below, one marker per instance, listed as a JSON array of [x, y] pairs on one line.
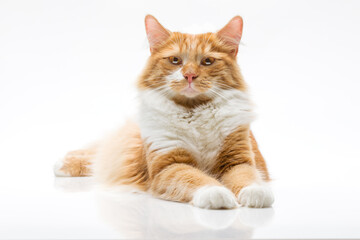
[[190, 93]]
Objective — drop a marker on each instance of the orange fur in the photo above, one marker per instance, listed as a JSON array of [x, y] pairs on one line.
[[166, 174], [77, 163], [126, 158], [259, 159], [236, 150], [224, 69], [121, 159]]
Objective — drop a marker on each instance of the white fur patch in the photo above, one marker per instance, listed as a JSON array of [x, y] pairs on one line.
[[214, 197], [57, 166], [175, 76], [256, 196], [201, 130]]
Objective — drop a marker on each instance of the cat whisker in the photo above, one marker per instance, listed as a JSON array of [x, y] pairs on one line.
[[220, 95]]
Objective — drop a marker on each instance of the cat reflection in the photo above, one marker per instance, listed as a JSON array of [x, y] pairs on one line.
[[140, 216]]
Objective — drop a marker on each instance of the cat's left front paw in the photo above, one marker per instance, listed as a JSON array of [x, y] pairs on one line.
[[256, 196]]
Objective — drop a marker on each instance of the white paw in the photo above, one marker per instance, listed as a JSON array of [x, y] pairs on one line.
[[57, 169], [256, 196], [214, 197]]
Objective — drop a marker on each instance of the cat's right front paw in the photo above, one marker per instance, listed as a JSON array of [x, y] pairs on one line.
[[214, 197]]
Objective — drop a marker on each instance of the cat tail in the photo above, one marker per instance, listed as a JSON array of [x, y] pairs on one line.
[[76, 163]]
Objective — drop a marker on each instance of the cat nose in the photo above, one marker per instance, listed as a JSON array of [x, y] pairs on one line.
[[190, 76]]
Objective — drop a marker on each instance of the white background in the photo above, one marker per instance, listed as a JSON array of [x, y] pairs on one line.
[[68, 68]]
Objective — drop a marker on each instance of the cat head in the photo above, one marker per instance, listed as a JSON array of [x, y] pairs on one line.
[[191, 69]]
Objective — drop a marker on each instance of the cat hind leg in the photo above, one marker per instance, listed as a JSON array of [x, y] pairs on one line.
[[76, 163]]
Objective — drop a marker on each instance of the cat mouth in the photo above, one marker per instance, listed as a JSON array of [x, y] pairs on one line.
[[190, 91]]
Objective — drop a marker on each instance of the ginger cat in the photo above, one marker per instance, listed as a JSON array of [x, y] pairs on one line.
[[192, 140]]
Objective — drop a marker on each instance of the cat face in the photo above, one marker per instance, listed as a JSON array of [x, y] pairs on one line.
[[188, 68]]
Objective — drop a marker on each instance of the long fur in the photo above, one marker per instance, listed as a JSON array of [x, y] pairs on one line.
[[191, 141]]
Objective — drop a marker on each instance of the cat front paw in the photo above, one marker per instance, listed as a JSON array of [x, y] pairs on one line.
[[214, 197], [256, 196]]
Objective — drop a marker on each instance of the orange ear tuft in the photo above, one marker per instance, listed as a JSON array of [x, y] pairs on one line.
[[155, 32], [231, 33]]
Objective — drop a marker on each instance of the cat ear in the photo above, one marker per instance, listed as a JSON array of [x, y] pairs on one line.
[[231, 33], [155, 32]]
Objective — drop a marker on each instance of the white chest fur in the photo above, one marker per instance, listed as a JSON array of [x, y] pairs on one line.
[[201, 131]]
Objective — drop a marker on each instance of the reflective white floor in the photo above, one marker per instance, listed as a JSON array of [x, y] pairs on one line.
[[74, 208]]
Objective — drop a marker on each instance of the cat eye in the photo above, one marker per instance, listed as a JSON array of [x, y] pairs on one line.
[[175, 60], [207, 61]]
